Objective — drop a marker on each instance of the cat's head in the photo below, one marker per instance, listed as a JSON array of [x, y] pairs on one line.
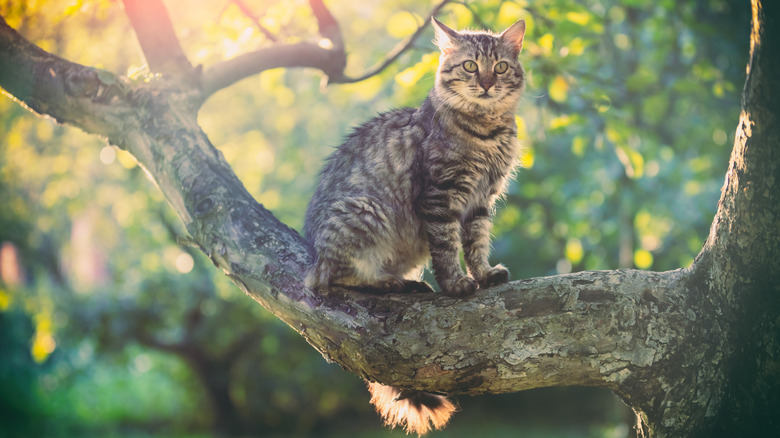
[[479, 70]]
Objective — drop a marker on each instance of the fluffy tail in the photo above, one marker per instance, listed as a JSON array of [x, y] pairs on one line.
[[418, 412]]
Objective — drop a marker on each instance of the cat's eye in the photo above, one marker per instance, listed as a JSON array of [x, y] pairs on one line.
[[470, 66], [501, 67]]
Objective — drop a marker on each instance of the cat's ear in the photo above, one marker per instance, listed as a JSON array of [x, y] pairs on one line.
[[513, 36], [445, 37]]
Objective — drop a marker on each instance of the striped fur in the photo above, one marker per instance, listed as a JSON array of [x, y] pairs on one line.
[[413, 185]]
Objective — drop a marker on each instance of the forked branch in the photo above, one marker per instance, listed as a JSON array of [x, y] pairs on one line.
[[252, 16], [157, 38], [397, 51], [328, 55]]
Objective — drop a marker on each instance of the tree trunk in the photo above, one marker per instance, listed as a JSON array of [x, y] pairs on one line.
[[694, 350], [738, 271]]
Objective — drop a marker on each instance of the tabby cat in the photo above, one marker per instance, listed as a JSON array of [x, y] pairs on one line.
[[414, 184]]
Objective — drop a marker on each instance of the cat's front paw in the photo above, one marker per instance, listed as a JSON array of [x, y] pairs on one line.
[[495, 276], [463, 287]]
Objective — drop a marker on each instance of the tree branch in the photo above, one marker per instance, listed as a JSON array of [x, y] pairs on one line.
[[248, 12], [302, 54], [329, 56], [397, 51], [49, 85], [157, 39], [328, 26]]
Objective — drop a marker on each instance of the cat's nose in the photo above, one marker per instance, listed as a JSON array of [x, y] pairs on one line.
[[487, 82]]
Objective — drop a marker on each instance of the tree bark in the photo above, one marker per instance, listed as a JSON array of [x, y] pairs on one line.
[[738, 270], [694, 350]]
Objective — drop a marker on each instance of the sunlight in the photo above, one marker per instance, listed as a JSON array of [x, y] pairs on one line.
[[233, 47], [325, 43], [107, 155], [402, 24], [425, 68], [574, 251], [755, 32], [643, 259], [5, 300], [559, 89], [184, 263], [43, 342]]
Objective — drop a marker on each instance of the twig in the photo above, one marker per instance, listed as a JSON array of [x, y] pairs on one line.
[[474, 15], [248, 12], [397, 51]]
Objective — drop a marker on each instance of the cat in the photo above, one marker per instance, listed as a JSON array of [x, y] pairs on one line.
[[417, 184]]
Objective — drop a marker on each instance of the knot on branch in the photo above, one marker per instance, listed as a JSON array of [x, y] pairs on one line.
[[80, 82]]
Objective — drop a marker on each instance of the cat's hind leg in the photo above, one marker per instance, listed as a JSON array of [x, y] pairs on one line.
[[352, 245], [413, 282], [337, 271]]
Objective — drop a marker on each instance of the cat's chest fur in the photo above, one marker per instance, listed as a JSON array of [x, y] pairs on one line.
[[474, 154]]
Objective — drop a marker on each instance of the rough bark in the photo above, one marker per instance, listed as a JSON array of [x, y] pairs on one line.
[[687, 348], [738, 270]]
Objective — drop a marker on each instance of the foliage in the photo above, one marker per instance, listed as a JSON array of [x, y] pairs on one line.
[[19, 398], [627, 125]]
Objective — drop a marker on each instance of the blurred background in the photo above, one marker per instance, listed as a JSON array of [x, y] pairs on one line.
[[109, 328]]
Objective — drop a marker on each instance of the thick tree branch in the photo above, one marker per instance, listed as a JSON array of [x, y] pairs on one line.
[[303, 54], [68, 92], [157, 39], [328, 26]]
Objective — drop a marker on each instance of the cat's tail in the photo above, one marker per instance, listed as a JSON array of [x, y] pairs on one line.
[[416, 411]]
